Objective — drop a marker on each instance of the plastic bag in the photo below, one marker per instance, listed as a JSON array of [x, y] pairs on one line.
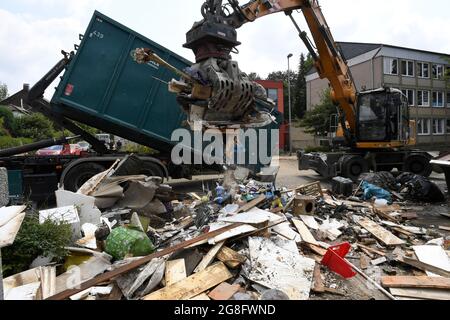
[[124, 241], [371, 191], [420, 188]]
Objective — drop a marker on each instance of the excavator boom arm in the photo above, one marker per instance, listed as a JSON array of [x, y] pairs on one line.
[[329, 62]]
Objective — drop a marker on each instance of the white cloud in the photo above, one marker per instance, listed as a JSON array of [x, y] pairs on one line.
[[34, 31]]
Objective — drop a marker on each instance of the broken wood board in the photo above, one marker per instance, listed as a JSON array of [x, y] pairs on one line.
[[78, 274], [424, 266], [380, 233], [310, 222], [224, 292], [378, 252], [11, 219], [284, 230], [305, 234], [364, 261], [233, 232], [316, 249], [416, 282], [279, 265], [231, 258], [193, 285], [428, 294], [137, 263], [433, 255], [311, 189], [252, 204], [318, 285], [48, 281], [175, 271], [201, 297], [209, 257]]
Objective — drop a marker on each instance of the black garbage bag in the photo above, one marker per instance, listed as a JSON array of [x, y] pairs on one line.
[[420, 188], [383, 179]]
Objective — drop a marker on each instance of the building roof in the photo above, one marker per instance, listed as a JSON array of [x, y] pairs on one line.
[[16, 102], [351, 50]]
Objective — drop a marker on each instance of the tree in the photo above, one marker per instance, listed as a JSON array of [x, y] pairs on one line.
[[254, 76], [300, 90], [317, 121], [35, 126], [3, 91]]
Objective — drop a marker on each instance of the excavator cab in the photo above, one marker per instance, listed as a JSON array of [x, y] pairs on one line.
[[382, 118]]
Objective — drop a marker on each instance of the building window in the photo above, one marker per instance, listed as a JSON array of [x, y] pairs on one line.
[[423, 98], [407, 68], [423, 70], [438, 99], [410, 94], [448, 99], [438, 127], [423, 127], [273, 95], [438, 71], [390, 66], [448, 126]]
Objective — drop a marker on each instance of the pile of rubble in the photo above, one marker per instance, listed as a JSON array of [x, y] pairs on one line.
[[135, 238]]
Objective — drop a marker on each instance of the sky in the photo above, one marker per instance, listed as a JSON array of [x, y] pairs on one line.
[[33, 32]]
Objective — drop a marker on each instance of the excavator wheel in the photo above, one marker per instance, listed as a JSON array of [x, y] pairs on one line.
[[353, 166], [419, 165]]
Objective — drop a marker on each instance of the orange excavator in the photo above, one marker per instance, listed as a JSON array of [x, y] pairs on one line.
[[375, 131]]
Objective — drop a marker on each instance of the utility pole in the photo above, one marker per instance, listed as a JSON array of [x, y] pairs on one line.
[[290, 103]]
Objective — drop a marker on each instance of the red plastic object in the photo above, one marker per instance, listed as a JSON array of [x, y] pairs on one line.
[[334, 259]]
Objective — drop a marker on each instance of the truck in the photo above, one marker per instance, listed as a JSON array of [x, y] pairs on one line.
[[104, 88]]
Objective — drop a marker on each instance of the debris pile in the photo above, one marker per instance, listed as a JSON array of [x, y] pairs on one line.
[[135, 238]]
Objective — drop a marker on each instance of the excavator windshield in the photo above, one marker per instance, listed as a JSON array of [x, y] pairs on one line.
[[382, 116]]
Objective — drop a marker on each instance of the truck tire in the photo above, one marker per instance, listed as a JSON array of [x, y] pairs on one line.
[[353, 166], [418, 164], [152, 170], [78, 175]]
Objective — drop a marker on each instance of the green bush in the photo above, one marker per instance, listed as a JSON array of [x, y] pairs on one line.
[[139, 149], [7, 142], [35, 126], [8, 118], [34, 240]]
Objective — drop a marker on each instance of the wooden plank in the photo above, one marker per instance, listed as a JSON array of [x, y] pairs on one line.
[[425, 267], [136, 264], [224, 291], [364, 261], [231, 258], [433, 255], [316, 249], [444, 228], [318, 285], [304, 232], [175, 271], [201, 297], [252, 204], [416, 282], [378, 252], [209, 257], [429, 294], [193, 285], [380, 233]]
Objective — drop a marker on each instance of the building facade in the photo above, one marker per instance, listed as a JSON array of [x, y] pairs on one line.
[[419, 74], [275, 92]]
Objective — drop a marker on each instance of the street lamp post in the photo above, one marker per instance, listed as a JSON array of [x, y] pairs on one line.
[[290, 103]]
